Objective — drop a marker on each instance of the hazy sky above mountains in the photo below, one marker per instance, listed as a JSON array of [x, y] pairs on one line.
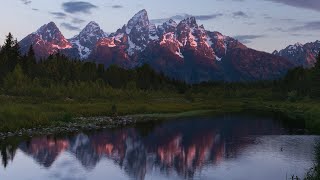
[[261, 24]]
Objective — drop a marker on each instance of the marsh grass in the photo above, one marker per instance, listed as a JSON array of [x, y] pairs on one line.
[[18, 112]]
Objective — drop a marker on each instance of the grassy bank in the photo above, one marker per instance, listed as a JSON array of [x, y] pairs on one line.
[[306, 110], [26, 112]]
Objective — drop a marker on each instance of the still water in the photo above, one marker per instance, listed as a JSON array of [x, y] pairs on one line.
[[231, 147]]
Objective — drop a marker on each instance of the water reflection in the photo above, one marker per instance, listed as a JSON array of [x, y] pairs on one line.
[[180, 148]]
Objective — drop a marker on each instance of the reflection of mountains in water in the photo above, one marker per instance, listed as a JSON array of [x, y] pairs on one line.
[[181, 147]]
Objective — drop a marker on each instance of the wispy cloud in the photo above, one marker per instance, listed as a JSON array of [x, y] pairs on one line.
[[117, 6], [59, 15], [78, 21], [184, 16], [240, 14], [70, 27], [311, 26], [26, 2], [247, 38], [78, 7], [308, 4]]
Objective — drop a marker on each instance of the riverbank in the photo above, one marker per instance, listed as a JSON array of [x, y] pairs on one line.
[[22, 114]]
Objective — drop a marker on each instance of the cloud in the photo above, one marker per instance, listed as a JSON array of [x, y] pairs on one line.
[[35, 9], [78, 7], [70, 27], [26, 2], [307, 4], [310, 26], [277, 29], [240, 14], [117, 6], [59, 15], [208, 17], [78, 21], [184, 16], [250, 23], [301, 35], [247, 38]]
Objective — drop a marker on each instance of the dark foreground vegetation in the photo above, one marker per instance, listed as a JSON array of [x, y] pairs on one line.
[[41, 93], [314, 173]]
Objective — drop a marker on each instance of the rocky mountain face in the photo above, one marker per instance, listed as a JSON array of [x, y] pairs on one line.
[[86, 40], [46, 40], [125, 45], [169, 147], [182, 50], [301, 54]]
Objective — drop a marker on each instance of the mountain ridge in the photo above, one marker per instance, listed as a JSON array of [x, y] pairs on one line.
[[183, 50], [301, 54]]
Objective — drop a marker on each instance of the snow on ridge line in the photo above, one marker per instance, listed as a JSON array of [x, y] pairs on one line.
[[141, 19], [108, 42], [67, 46]]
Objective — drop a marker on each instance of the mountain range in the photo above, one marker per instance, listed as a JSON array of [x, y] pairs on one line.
[[181, 50], [301, 54]]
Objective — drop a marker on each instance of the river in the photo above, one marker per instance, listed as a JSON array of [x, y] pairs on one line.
[[231, 147]]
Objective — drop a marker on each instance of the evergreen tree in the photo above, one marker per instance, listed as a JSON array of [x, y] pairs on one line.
[[31, 54], [100, 70], [9, 42], [9, 55], [16, 80], [315, 79], [29, 62]]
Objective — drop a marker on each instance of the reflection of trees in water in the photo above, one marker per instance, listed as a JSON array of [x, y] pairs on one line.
[[135, 159], [8, 149], [314, 173], [183, 148], [7, 154], [45, 150]]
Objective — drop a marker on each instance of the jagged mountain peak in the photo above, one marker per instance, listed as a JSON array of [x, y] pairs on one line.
[[141, 14], [49, 32], [139, 20], [85, 41], [295, 47], [183, 50], [92, 29], [93, 24], [45, 27], [49, 25], [189, 21], [301, 54], [171, 22], [47, 40], [168, 26]]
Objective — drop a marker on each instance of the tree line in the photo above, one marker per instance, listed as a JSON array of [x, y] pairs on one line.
[[23, 74], [302, 83]]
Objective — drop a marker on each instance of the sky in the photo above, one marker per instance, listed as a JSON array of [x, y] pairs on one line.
[[265, 25]]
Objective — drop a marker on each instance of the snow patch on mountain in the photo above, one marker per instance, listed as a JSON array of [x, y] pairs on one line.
[[192, 39], [107, 42], [137, 21], [67, 46], [132, 47], [87, 39], [153, 32], [179, 53], [301, 54]]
